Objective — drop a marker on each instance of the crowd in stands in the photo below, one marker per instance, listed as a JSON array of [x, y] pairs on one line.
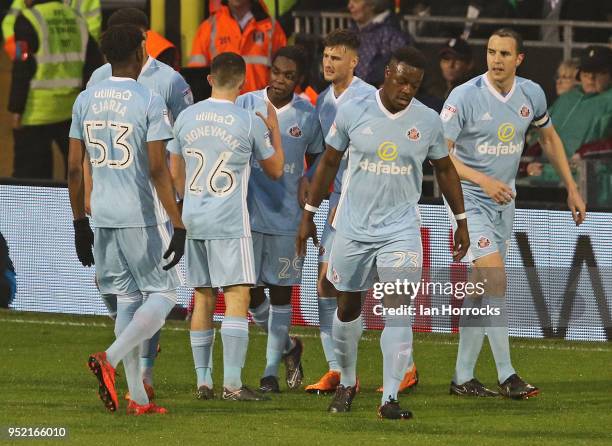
[[42, 90]]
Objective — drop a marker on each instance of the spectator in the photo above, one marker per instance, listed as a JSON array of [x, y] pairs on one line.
[[584, 114], [89, 10], [379, 34], [566, 76], [55, 56], [283, 15], [456, 65], [243, 27]]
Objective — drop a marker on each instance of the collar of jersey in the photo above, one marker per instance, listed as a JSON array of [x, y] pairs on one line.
[[120, 79], [496, 93], [219, 100], [285, 107], [337, 99], [387, 113], [147, 64]]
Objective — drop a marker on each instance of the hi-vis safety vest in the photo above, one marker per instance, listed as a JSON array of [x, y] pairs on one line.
[[88, 9], [60, 58], [257, 43]]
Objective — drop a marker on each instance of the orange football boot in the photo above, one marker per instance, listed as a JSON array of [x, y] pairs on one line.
[[411, 379], [137, 409], [105, 373], [327, 384]]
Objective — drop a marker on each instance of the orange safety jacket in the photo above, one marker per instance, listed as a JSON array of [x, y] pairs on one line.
[[257, 43], [157, 44]]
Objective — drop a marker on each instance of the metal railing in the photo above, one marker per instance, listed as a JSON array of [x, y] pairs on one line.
[[314, 24]]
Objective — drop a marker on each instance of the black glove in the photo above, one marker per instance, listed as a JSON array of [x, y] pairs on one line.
[[177, 246], [83, 241]]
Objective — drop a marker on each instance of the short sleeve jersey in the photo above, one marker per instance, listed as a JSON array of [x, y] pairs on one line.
[[327, 107], [217, 138], [384, 177], [160, 78], [115, 119], [273, 205], [489, 129]]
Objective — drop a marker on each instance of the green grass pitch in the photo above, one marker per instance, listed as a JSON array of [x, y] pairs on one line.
[[45, 382]]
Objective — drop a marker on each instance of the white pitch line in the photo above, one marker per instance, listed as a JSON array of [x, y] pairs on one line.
[[308, 336]]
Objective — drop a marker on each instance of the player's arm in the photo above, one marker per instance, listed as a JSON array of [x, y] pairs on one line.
[[160, 175], [499, 191], [273, 165], [177, 171], [554, 151], [304, 184], [449, 183], [76, 189], [87, 183], [326, 171], [83, 235]]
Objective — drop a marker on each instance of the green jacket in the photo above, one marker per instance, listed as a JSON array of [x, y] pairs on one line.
[[580, 118]]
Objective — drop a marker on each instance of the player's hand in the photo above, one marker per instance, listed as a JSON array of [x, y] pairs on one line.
[[461, 240], [306, 230], [303, 187], [177, 246], [83, 241], [499, 191], [271, 121], [534, 169], [576, 205]]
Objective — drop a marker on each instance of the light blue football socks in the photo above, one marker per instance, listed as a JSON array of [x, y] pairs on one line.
[[235, 337], [202, 343], [346, 336]]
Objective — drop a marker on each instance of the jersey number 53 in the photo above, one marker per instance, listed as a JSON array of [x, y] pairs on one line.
[[121, 131]]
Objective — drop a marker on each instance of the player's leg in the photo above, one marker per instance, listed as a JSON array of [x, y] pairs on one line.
[[202, 336], [259, 306], [472, 327], [280, 271], [127, 305], [235, 337], [160, 285], [327, 306], [112, 278], [278, 336], [351, 271], [510, 384], [231, 268], [398, 260]]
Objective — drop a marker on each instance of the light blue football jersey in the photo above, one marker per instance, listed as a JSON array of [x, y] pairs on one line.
[[273, 205], [115, 119], [489, 129], [217, 138], [160, 78], [384, 176], [327, 107]]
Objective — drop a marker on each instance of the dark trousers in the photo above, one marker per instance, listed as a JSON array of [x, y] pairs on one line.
[[33, 155]]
